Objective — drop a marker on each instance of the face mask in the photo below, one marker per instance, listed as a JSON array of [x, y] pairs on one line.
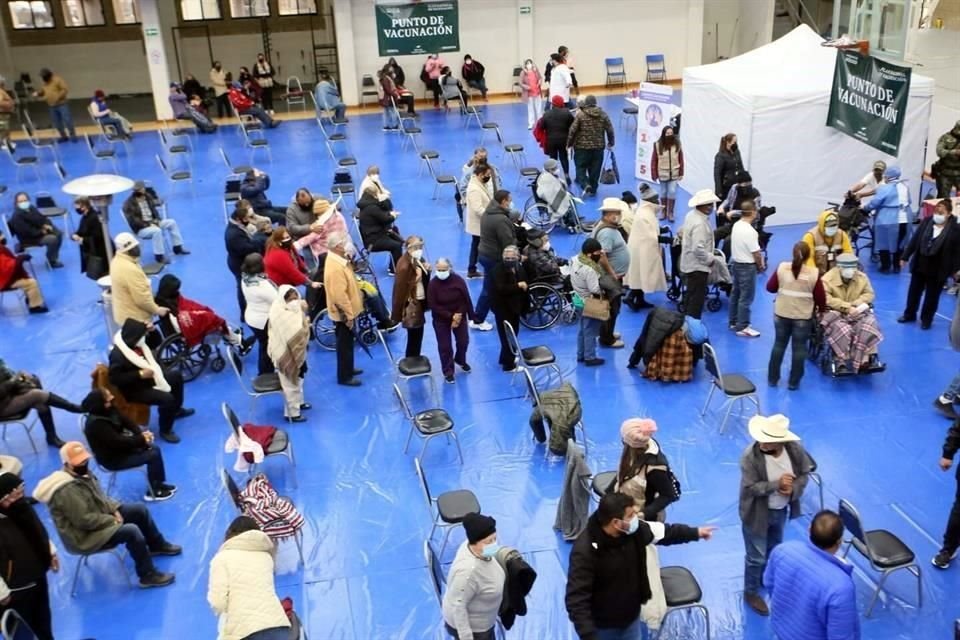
[[596, 257], [486, 178], [81, 469], [443, 275], [350, 250], [939, 218], [416, 254], [286, 244], [830, 231], [847, 273], [78, 210], [24, 206], [217, 67], [769, 452], [511, 263], [134, 253], [546, 246], [490, 550], [294, 305], [632, 526], [734, 147], [528, 66]]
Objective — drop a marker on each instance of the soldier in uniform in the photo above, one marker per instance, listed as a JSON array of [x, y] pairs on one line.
[[948, 150]]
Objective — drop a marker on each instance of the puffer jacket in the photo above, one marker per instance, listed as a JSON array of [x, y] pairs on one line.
[[241, 589], [562, 409], [130, 287], [81, 511], [589, 128], [660, 324]]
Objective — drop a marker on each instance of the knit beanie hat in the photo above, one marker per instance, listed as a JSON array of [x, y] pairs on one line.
[[557, 101], [635, 432], [478, 527], [628, 197]]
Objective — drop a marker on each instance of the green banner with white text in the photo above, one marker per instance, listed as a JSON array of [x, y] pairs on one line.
[[416, 28], [869, 100]]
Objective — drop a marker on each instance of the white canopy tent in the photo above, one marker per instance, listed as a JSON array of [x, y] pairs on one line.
[[775, 98]]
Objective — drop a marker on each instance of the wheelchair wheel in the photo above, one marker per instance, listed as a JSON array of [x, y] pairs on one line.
[[174, 353], [713, 304], [323, 331], [546, 306], [673, 293], [569, 314], [218, 363], [366, 332], [539, 216]]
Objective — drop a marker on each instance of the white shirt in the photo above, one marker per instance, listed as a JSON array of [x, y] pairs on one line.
[[259, 294], [776, 467], [560, 82], [869, 182], [744, 241]]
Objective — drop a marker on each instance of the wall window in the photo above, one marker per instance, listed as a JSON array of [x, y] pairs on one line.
[[31, 15], [125, 11], [249, 8], [200, 9], [298, 7], [82, 13]]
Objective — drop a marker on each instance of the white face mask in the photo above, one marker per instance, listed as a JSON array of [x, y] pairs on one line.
[[350, 250], [443, 275], [294, 305], [939, 218], [546, 246], [416, 254], [847, 272], [528, 66], [830, 231]]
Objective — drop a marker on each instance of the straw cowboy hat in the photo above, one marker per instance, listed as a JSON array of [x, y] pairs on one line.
[[614, 204], [702, 197], [771, 429]]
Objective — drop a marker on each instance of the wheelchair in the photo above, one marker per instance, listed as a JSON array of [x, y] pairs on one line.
[[821, 354], [677, 287], [551, 301], [538, 214], [174, 352], [857, 223], [364, 327]]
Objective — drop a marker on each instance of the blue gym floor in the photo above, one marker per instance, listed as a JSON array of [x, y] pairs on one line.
[[877, 439]]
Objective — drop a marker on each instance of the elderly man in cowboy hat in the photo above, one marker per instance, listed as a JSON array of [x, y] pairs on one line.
[[774, 470], [645, 274], [696, 254], [615, 262]]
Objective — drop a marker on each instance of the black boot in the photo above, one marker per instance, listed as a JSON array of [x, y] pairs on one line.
[[631, 300], [640, 301], [884, 261], [58, 402], [46, 419], [896, 262]]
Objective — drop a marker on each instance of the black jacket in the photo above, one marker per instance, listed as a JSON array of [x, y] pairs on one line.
[[660, 492], [726, 165], [497, 232], [240, 244], [28, 225], [254, 190], [556, 124], [92, 245], [520, 579], [938, 258], [374, 219], [125, 375], [506, 296], [24, 545], [607, 580], [660, 324], [113, 437], [134, 216]]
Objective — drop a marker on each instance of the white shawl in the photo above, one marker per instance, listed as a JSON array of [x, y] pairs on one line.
[[145, 361]]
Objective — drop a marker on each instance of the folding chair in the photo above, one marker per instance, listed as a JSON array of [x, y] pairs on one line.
[[515, 86], [438, 179], [23, 162], [368, 88], [471, 113], [12, 626], [448, 509], [235, 496], [656, 68], [263, 385], [101, 155], [49, 208], [109, 133], [176, 176], [735, 387], [281, 445], [256, 143], [294, 94], [427, 424], [885, 551], [535, 394], [20, 247], [815, 477], [616, 72], [411, 135], [629, 114], [38, 143], [682, 593], [21, 419], [234, 169], [331, 139], [173, 149], [246, 122], [531, 359], [184, 131], [84, 560]]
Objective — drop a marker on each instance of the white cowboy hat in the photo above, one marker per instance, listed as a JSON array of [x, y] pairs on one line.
[[614, 204], [702, 197], [769, 429]]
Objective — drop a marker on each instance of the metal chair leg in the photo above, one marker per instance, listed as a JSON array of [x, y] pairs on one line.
[[457, 442], [876, 593], [76, 576], [703, 411], [409, 436], [443, 545]]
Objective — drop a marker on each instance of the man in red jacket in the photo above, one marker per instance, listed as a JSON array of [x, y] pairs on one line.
[[245, 106], [14, 276]]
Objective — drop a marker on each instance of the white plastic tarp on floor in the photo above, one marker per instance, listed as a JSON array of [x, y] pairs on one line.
[[775, 98]]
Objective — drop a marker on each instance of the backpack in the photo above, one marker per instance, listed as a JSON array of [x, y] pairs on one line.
[[424, 76]]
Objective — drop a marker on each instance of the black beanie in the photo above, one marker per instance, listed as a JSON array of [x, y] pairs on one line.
[[628, 197], [478, 527]]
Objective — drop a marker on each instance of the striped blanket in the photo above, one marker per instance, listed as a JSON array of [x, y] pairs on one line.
[[852, 338]]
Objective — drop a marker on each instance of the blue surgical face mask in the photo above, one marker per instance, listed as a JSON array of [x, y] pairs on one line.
[[939, 218], [490, 550], [24, 206], [633, 525], [443, 275]]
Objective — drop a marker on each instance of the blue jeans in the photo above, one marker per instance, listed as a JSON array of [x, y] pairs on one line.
[[62, 120], [636, 631], [483, 302], [480, 85], [796, 332], [151, 458], [953, 390], [587, 338], [744, 287], [154, 235], [758, 548], [110, 122], [275, 633], [140, 534], [258, 113]]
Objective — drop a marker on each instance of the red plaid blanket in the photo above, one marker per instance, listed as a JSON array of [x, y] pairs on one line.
[[852, 338]]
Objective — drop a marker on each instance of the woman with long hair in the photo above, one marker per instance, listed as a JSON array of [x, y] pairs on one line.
[[667, 167], [798, 290], [410, 294], [530, 92], [726, 165], [282, 262], [644, 472]]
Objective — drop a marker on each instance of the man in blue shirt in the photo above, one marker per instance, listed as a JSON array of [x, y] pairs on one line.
[[328, 98], [615, 261], [812, 592]]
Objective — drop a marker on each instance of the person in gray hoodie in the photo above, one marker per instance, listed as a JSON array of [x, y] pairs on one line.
[[696, 251], [88, 521], [590, 133]]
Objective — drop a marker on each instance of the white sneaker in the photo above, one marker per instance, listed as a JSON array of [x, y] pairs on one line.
[[749, 332], [481, 326], [234, 337]]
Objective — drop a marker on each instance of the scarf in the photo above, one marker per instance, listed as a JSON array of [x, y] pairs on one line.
[[586, 260], [144, 361], [289, 333]]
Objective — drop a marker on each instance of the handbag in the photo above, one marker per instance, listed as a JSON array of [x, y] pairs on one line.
[[96, 267], [611, 175], [412, 315], [596, 308]]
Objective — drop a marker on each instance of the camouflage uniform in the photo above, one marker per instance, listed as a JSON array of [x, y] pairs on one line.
[[948, 150]]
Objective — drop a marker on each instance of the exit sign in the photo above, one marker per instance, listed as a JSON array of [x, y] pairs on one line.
[[525, 10], [151, 31]]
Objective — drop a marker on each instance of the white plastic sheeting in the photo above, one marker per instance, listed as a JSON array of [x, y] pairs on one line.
[[775, 98]]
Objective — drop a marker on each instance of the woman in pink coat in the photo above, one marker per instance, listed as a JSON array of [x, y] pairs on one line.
[[530, 92], [328, 221]]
